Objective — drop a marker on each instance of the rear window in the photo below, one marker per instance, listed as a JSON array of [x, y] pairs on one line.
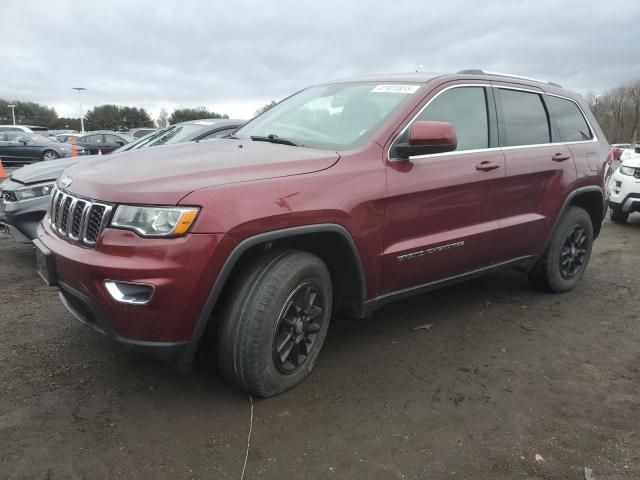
[[572, 126], [525, 118]]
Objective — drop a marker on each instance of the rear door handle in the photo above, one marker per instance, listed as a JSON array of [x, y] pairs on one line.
[[487, 166], [560, 157]]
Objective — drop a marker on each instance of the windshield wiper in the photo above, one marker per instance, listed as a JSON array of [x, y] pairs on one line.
[[273, 138]]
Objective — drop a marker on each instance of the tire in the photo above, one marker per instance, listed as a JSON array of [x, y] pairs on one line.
[[261, 329], [618, 216], [49, 155], [572, 241]]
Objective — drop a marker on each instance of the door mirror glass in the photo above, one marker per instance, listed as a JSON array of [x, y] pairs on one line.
[[426, 137]]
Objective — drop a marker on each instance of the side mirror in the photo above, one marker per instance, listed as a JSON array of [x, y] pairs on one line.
[[24, 142], [427, 137], [120, 143]]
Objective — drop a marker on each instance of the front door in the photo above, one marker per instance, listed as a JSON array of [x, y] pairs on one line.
[[438, 222]]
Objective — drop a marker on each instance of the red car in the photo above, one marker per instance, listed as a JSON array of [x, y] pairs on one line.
[[344, 196]]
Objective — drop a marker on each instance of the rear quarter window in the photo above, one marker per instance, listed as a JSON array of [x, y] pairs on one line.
[[569, 120]]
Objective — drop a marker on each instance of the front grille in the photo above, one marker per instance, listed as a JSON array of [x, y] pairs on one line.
[[8, 196], [78, 219]]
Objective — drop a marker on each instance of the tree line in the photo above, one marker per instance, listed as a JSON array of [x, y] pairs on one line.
[[103, 117], [618, 112]]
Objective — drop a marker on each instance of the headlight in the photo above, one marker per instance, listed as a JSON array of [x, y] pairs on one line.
[[155, 221], [627, 171], [41, 190]]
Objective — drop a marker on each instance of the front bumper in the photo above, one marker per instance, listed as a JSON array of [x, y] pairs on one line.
[[624, 192], [182, 270], [21, 219]]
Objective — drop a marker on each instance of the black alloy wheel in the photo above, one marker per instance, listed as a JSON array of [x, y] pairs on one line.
[[573, 252], [298, 327]]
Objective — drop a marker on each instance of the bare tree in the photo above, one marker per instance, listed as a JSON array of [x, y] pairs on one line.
[[163, 119], [618, 113]]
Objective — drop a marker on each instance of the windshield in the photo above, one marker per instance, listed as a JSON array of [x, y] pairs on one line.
[[167, 136], [336, 117]]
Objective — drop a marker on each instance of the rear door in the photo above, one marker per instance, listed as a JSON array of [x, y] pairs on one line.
[[93, 143], [538, 172], [112, 142], [438, 222]]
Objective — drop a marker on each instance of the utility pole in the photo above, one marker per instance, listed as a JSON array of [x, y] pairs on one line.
[[13, 112], [80, 90]]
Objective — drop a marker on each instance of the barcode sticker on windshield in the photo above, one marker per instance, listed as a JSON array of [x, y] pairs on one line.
[[408, 89]]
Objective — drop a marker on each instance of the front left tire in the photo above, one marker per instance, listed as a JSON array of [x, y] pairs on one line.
[[272, 331]]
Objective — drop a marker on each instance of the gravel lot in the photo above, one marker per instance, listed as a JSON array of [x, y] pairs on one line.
[[508, 383]]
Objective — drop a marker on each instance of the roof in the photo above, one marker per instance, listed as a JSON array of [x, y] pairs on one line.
[[473, 74]]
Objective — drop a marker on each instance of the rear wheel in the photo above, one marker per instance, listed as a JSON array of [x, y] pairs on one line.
[[618, 215], [563, 264], [50, 155], [274, 327]]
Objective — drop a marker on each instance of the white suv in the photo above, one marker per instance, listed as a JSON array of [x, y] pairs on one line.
[[623, 188]]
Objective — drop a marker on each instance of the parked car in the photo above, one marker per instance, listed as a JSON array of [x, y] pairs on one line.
[[344, 196], [15, 128], [623, 188], [66, 137], [103, 142], [141, 132], [24, 147], [26, 192]]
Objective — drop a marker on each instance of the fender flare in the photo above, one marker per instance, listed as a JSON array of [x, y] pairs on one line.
[[567, 202], [244, 245]]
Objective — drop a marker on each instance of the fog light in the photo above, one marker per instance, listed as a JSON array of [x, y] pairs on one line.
[[618, 184], [128, 292]]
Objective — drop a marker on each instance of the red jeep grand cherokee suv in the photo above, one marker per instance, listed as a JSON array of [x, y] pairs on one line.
[[344, 196]]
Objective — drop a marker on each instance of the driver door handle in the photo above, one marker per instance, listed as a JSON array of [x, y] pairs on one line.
[[487, 166], [560, 157]]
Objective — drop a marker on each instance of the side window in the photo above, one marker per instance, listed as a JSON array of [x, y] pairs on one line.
[[466, 109], [525, 119], [113, 139], [571, 124], [219, 133]]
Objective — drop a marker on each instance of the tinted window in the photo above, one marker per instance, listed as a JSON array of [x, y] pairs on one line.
[[113, 139], [93, 140], [525, 119], [571, 124], [466, 109]]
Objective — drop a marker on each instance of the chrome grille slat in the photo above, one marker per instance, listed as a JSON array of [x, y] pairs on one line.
[[79, 219]]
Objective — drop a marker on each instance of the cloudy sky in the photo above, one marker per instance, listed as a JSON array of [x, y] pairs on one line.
[[233, 57]]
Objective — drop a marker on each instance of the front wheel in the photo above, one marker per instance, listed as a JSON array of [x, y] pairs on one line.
[[565, 261], [273, 329], [50, 155]]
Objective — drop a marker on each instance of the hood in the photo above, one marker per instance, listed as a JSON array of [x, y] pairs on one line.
[[632, 161], [43, 171], [166, 174]]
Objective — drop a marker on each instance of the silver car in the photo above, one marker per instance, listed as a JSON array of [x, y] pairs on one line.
[[25, 195]]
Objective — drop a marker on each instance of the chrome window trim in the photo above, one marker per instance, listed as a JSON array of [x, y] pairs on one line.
[[488, 149]]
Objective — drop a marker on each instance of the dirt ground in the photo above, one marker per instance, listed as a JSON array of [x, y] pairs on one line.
[[508, 383]]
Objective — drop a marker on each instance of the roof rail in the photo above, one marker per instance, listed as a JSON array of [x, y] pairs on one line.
[[498, 74]]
